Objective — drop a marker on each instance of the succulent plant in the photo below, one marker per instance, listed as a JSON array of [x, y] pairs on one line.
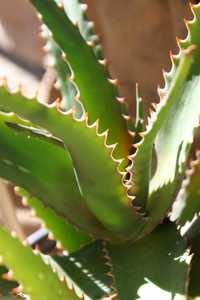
[[121, 197]]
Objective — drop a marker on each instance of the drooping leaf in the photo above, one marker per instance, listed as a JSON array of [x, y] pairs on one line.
[[41, 282], [152, 268], [70, 238], [97, 94], [92, 158]]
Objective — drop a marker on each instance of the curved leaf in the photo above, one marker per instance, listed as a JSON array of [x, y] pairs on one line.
[[171, 128], [41, 280], [174, 140], [187, 204], [97, 93], [21, 162], [92, 159], [70, 238], [141, 164]]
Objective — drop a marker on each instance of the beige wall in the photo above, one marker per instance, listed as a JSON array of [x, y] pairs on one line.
[[136, 35]]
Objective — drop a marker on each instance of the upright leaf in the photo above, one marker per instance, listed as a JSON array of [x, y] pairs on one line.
[[187, 204], [97, 93]]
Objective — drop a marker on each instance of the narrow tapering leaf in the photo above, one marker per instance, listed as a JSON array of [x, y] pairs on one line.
[[20, 160], [97, 93], [41, 282], [88, 269], [93, 159], [66, 234]]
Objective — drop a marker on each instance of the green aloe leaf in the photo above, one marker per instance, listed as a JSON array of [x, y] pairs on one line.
[[176, 135], [76, 13], [70, 238], [171, 128], [97, 94], [152, 268], [92, 158], [187, 204], [88, 269], [141, 164], [41, 280], [22, 164]]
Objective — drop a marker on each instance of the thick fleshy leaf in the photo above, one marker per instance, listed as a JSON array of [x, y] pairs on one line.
[[187, 204], [97, 94], [67, 235], [36, 277], [176, 135], [141, 164], [33, 162], [93, 159], [172, 128], [76, 12], [88, 269], [152, 268]]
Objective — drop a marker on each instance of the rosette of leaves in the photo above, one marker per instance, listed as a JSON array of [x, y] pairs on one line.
[[103, 184]]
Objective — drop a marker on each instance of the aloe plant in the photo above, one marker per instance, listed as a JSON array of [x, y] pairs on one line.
[[121, 197]]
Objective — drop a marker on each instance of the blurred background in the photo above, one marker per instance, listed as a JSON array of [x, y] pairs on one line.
[[136, 36]]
